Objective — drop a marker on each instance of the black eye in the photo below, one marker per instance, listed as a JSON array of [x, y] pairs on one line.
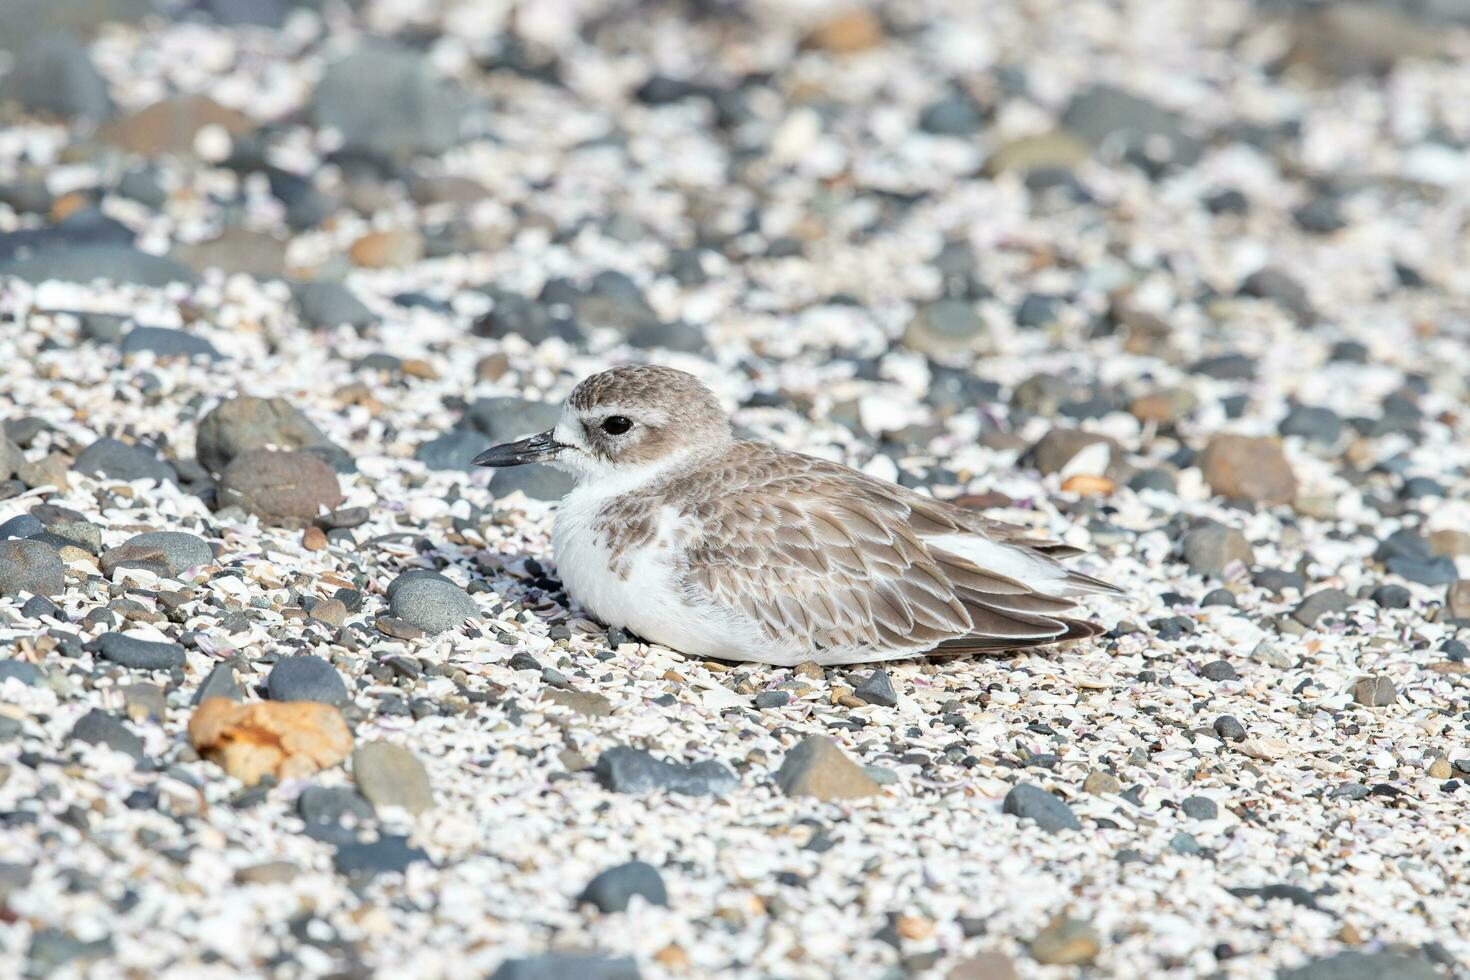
[[616, 425]]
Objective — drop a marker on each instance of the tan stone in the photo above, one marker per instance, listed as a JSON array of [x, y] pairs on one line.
[[1087, 485], [387, 249], [1449, 543], [984, 966], [817, 767], [1100, 783], [314, 539], [1047, 151], [285, 739], [847, 33], [1065, 942], [171, 125]]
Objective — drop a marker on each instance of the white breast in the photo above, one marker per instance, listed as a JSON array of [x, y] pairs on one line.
[[647, 599]]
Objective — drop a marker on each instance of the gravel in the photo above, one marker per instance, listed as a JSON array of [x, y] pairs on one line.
[[1190, 298]]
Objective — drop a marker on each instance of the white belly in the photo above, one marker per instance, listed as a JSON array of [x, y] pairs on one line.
[[643, 595]]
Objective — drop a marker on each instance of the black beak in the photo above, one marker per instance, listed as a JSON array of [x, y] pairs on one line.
[[536, 449]]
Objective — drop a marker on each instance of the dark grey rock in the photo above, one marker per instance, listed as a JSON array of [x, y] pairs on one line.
[[1425, 571], [388, 103], [220, 683], [1226, 367], [363, 861], [514, 315], [1282, 289], [1392, 597], [136, 654], [1103, 115], [30, 566], [1037, 310], [38, 606], [333, 814], [1295, 894], [1315, 424], [628, 770], [505, 418], [238, 424], [144, 185], [306, 678], [1229, 728], [87, 263], [767, 700], [1219, 670], [567, 966], [1421, 487], [538, 482], [946, 329], [24, 671], [100, 728], [11, 458], [1322, 215], [1327, 602], [1184, 843], [52, 949], [1050, 813], [877, 688], [114, 460], [1353, 965], [248, 13], [23, 22], [1218, 597], [328, 305], [454, 450], [20, 526], [1154, 479], [613, 889], [676, 335], [86, 227], [612, 300], [170, 552], [55, 75], [165, 342], [954, 115], [1200, 808]]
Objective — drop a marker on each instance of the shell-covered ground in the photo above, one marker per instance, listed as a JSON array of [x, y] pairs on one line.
[[1184, 284]]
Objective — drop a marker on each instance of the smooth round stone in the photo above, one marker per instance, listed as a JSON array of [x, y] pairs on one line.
[[30, 566], [136, 654], [174, 551], [114, 460], [433, 604], [389, 775], [305, 678], [20, 526], [100, 728], [1050, 813], [238, 424], [615, 888], [283, 488], [21, 670]]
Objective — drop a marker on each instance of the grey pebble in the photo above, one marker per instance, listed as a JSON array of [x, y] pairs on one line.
[[116, 460], [136, 654], [364, 860], [1200, 808], [333, 814], [1050, 813], [1229, 728], [306, 677], [166, 342], [1353, 965], [434, 604], [877, 688], [30, 566], [328, 305], [1219, 670], [613, 889], [168, 551], [390, 775], [628, 770], [100, 728], [22, 670], [219, 683], [567, 966], [1375, 692], [1326, 602]]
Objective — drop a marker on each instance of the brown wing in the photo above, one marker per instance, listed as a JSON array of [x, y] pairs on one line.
[[822, 556]]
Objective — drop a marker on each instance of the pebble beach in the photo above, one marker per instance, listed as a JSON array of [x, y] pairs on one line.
[[289, 688]]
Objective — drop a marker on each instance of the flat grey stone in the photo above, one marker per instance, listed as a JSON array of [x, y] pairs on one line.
[[136, 654], [433, 604], [612, 890], [1050, 813]]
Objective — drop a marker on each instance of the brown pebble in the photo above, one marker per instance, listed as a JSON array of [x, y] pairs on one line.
[[314, 539], [847, 33]]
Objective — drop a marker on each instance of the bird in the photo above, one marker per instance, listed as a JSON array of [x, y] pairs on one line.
[[732, 549]]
